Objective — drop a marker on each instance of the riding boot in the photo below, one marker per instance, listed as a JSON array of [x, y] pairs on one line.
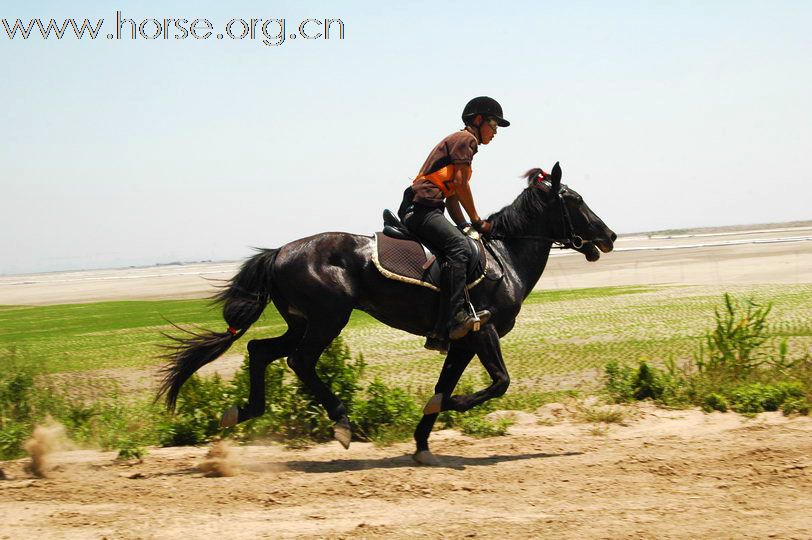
[[437, 339], [463, 320]]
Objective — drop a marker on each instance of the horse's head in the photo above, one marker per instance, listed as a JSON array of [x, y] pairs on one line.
[[570, 219]]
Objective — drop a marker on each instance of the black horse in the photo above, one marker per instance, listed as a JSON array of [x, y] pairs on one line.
[[316, 282]]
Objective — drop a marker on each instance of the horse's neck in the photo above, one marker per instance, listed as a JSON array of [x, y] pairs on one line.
[[528, 259]]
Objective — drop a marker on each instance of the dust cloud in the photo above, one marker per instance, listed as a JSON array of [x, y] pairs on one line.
[[47, 438], [220, 460]]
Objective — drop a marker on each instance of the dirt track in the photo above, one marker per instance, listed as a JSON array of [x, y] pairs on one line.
[[666, 474]]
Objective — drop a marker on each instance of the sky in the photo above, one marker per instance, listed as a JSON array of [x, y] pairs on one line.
[[120, 152]]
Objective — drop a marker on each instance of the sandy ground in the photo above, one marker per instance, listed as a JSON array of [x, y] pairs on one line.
[[665, 474], [782, 255]]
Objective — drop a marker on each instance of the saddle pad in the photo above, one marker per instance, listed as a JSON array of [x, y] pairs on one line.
[[404, 260]]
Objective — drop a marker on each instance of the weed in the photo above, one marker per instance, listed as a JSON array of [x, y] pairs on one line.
[[603, 415], [131, 452], [715, 402], [477, 426], [386, 415], [735, 369], [734, 345]]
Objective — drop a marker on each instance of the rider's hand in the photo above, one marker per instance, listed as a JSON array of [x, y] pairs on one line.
[[482, 226]]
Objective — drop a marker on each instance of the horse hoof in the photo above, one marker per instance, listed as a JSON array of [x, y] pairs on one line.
[[425, 457], [434, 405], [342, 434], [230, 417]]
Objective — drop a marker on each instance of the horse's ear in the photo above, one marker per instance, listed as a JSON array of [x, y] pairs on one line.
[[555, 177]]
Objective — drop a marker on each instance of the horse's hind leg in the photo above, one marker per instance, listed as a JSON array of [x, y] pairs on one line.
[[320, 333], [261, 352]]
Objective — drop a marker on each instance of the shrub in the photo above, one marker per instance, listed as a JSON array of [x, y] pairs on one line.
[[646, 383], [21, 405], [130, 451], [197, 418], [12, 436], [796, 406], [715, 402], [603, 415], [387, 414], [477, 425], [734, 370], [668, 386], [734, 345], [756, 397], [619, 382], [16, 396]]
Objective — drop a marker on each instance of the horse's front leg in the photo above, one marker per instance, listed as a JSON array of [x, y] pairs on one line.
[[455, 363], [490, 354]]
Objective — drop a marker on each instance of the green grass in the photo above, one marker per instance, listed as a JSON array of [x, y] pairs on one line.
[[79, 337], [561, 295], [558, 332], [564, 333], [561, 339]]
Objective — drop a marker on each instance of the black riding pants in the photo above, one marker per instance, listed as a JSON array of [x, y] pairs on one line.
[[442, 237]]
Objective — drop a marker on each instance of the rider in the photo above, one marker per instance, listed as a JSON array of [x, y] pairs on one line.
[[443, 183]]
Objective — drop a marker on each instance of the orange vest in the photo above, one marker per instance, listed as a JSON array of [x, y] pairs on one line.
[[443, 179]]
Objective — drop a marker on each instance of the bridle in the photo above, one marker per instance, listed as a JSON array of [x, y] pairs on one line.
[[570, 239]]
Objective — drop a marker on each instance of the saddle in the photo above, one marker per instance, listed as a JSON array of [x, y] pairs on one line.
[[399, 255]]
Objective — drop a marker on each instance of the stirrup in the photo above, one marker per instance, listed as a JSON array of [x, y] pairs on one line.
[[469, 324]]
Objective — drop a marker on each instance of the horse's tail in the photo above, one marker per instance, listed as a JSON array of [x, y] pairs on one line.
[[244, 298]]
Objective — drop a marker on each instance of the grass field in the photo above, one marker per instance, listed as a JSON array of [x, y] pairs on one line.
[[558, 334], [562, 334]]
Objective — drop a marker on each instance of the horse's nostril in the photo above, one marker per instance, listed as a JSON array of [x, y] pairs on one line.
[[614, 237]]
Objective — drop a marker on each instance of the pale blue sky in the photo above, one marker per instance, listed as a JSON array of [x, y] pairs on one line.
[[662, 114]]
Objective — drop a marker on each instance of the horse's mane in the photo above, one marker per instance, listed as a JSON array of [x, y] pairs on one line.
[[515, 218]]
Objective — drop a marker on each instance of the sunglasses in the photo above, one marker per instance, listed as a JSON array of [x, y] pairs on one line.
[[493, 123]]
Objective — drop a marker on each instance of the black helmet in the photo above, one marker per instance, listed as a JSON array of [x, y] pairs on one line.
[[486, 106]]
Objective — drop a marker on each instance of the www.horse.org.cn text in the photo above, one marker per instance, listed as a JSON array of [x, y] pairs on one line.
[[271, 32]]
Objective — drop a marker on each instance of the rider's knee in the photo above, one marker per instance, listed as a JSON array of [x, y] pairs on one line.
[[458, 251]]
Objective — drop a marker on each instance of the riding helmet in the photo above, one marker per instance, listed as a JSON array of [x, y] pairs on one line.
[[486, 106]]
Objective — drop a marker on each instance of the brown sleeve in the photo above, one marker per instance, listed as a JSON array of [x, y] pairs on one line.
[[462, 147]]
